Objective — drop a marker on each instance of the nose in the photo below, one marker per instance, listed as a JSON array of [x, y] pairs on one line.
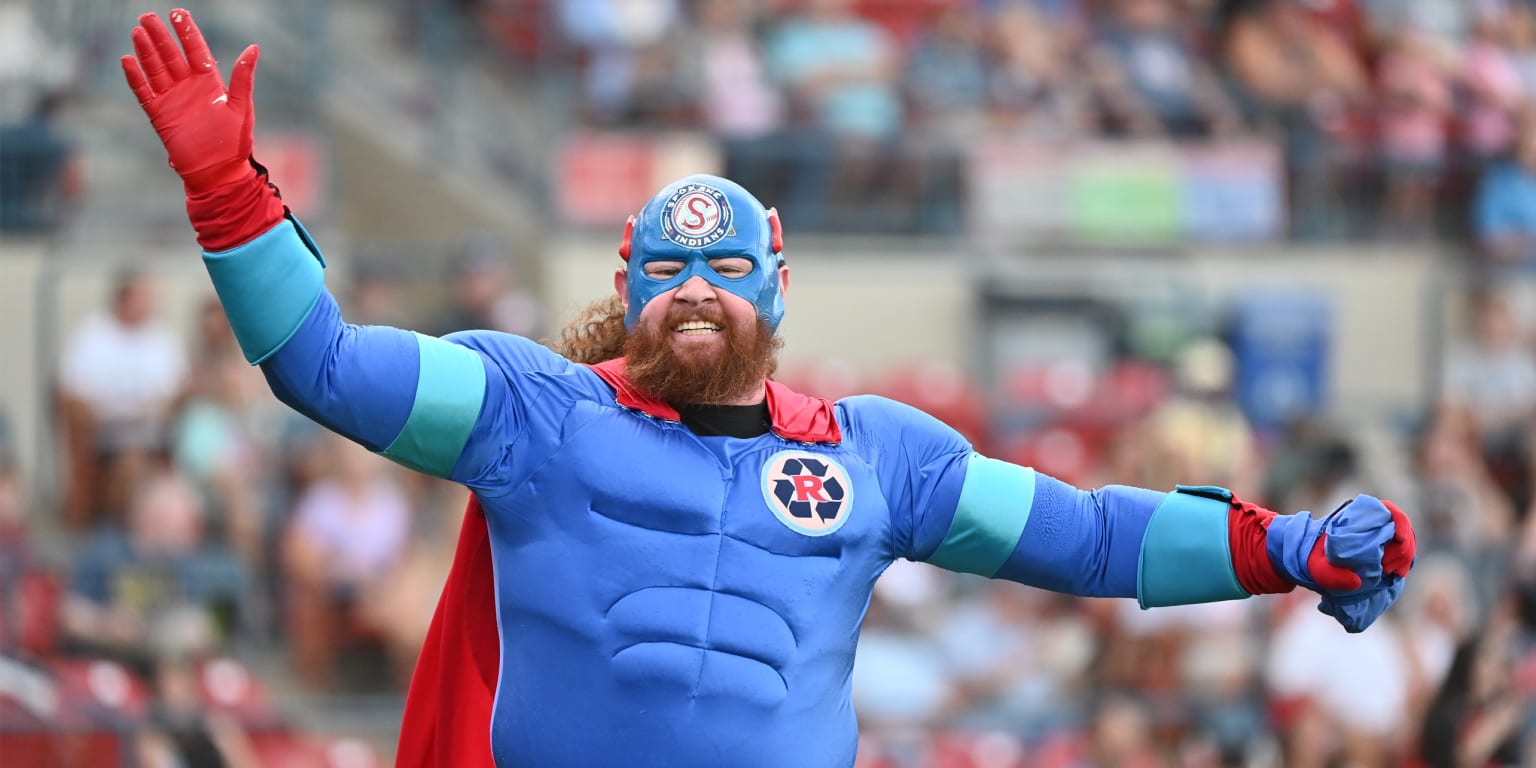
[[695, 290]]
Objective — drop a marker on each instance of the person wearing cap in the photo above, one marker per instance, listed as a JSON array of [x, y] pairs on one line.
[[668, 554]]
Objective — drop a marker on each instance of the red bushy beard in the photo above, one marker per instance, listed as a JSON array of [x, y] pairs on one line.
[[700, 377]]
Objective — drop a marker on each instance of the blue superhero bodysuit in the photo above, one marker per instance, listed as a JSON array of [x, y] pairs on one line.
[[667, 599]]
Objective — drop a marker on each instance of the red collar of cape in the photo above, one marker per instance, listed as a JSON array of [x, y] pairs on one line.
[[793, 416]]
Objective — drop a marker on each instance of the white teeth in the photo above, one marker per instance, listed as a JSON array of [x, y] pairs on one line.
[[697, 328]]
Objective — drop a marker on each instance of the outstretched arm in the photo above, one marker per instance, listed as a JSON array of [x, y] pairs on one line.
[[422, 401], [1193, 545], [965, 512]]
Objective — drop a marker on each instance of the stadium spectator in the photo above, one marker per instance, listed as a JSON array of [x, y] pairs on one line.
[[1348, 697], [947, 77], [1491, 373], [947, 84], [721, 60], [724, 70], [399, 605], [122, 373], [1447, 21], [1481, 714], [1459, 501], [40, 174], [1520, 31], [903, 686], [1437, 617], [1200, 431], [1151, 80], [179, 732], [1015, 654], [348, 531], [1298, 78], [484, 293], [1504, 216], [155, 584], [1121, 733], [1033, 89], [219, 439], [1415, 105], [39, 171], [840, 74], [616, 40], [29, 590], [1492, 89]]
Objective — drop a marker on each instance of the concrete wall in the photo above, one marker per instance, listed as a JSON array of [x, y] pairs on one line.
[[866, 309]]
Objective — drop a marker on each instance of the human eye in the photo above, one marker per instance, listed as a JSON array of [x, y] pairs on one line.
[[732, 267], [663, 270]]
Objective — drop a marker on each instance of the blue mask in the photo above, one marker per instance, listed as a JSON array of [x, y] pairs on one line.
[[694, 220]]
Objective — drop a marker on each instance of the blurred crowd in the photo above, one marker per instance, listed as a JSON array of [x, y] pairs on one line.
[[864, 114], [212, 534], [39, 173], [210, 528], [961, 671]]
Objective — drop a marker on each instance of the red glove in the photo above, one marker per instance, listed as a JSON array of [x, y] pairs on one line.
[[206, 128]]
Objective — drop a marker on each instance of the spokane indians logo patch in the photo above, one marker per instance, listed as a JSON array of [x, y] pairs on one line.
[[696, 215], [809, 493]]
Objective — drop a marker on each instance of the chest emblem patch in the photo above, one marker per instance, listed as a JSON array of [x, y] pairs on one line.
[[807, 492]]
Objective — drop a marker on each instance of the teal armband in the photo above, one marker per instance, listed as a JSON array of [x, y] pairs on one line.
[[994, 506], [1185, 553], [449, 391], [268, 286]]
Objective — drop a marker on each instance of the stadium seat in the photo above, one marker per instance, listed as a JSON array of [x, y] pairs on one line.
[[982, 749], [100, 688], [227, 685], [944, 391], [286, 749]]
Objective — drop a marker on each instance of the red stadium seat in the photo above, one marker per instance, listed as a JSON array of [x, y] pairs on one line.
[[99, 685], [965, 749], [29, 613], [286, 749], [944, 391], [283, 748], [517, 27], [227, 685], [68, 714], [1061, 451], [905, 20], [872, 755]]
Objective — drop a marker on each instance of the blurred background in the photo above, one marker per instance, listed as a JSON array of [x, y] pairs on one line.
[[1285, 246]]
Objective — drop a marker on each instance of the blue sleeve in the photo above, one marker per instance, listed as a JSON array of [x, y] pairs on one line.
[[919, 460], [1492, 217], [1014, 523], [435, 405], [104, 552], [1082, 542], [965, 512]]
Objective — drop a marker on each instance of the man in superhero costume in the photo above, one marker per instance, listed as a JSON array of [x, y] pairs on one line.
[[668, 554]]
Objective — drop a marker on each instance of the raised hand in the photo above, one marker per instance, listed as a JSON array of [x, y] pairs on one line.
[[206, 128]]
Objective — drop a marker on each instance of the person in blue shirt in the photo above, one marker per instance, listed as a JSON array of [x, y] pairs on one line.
[[669, 554], [1504, 212]]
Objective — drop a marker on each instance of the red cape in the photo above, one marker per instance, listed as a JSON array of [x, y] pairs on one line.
[[448, 710]]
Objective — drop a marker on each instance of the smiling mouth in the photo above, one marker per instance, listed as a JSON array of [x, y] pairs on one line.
[[696, 328]]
